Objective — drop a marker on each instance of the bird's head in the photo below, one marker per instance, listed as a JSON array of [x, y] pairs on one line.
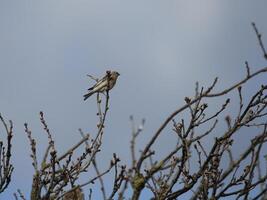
[[116, 74]]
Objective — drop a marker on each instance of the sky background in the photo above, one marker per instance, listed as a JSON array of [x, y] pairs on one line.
[[161, 48]]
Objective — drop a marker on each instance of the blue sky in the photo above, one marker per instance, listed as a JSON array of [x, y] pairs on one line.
[[160, 48]]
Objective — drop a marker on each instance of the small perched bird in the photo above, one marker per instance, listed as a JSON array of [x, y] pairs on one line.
[[104, 84]]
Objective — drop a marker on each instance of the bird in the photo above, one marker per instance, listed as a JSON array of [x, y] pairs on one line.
[[104, 84]]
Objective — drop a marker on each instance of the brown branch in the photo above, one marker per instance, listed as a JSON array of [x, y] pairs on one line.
[[259, 39], [204, 95]]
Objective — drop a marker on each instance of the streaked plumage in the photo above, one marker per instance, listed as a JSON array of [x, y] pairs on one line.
[[104, 84]]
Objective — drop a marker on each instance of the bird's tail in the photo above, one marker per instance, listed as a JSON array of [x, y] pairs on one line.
[[86, 96]]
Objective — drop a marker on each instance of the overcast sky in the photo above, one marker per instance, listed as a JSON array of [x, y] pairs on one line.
[[161, 48]]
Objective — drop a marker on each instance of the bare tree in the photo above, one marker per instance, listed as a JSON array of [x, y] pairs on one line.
[[172, 176], [189, 168], [6, 168], [56, 176]]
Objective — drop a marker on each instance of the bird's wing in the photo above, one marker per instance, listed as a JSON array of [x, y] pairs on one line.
[[100, 86], [99, 83]]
